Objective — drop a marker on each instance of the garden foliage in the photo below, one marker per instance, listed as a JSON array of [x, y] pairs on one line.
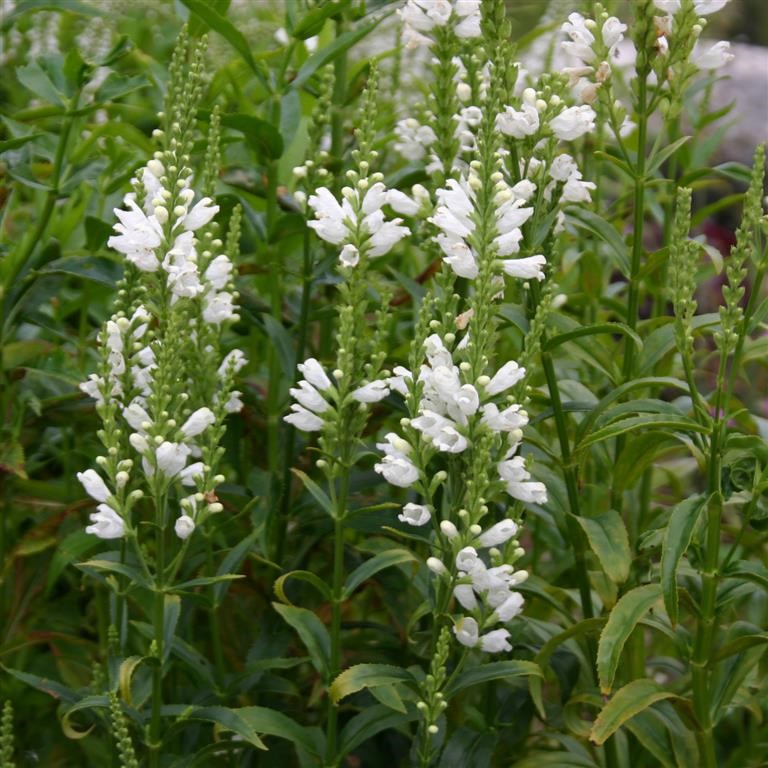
[[380, 385]]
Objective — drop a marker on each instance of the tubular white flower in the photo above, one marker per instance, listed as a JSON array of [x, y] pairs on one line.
[[467, 559], [397, 470], [415, 514], [315, 374], [218, 307], [413, 139], [303, 419], [511, 607], [305, 394], [349, 256], [138, 236], [529, 268], [139, 442], [495, 641], [499, 533], [198, 422], [467, 631], [184, 526], [394, 446], [202, 213], [234, 361], [191, 472], [714, 57], [94, 485], [507, 376], [371, 393], [506, 420], [465, 596], [518, 124], [171, 457], [107, 524], [219, 272], [573, 122], [401, 203], [449, 440]]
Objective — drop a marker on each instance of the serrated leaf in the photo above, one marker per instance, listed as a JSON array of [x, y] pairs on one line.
[[367, 676], [312, 632], [494, 670], [371, 567], [608, 538], [677, 538], [630, 608], [626, 703]]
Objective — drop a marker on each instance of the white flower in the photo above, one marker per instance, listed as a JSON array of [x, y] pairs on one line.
[[139, 235], [234, 404], [612, 33], [92, 387], [107, 524], [415, 514], [458, 256], [715, 57], [139, 442], [495, 641], [498, 533], [506, 420], [401, 203], [184, 526], [190, 473], [582, 40], [516, 476], [529, 268], [314, 373], [511, 607], [200, 215], [397, 470], [94, 486], [413, 139], [507, 376], [171, 457], [349, 256], [706, 7], [448, 529], [394, 446], [467, 559], [198, 422], [135, 415], [371, 393], [668, 6], [466, 596], [398, 381], [466, 631], [219, 272], [518, 124], [309, 397], [329, 216], [218, 307], [303, 419], [234, 361], [467, 399], [449, 440], [573, 122], [386, 236], [436, 566]]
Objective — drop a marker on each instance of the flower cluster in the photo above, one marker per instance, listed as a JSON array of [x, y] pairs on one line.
[[422, 16], [454, 217], [357, 223]]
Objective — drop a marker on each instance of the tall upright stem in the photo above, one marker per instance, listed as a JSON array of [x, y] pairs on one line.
[[155, 737]]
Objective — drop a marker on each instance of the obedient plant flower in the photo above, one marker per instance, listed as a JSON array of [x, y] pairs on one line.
[[422, 16], [716, 56], [162, 389]]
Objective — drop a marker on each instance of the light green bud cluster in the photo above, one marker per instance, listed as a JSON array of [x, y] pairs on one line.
[[120, 733], [6, 737]]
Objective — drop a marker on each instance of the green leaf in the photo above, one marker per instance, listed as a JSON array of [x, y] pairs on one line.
[[368, 723], [229, 32], [283, 343], [494, 670], [70, 548], [171, 613], [377, 563], [230, 719], [261, 136], [233, 560], [630, 608], [341, 44], [89, 702], [677, 538], [607, 535], [108, 566], [593, 330], [205, 581], [638, 454], [659, 158], [626, 703], [19, 141], [51, 687], [319, 494], [367, 676], [389, 697], [633, 423], [650, 732], [274, 723], [308, 576], [33, 77], [738, 645], [312, 632], [125, 676], [598, 226], [313, 21], [17, 353], [95, 268]]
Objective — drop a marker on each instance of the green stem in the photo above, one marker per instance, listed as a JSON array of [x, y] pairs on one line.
[[155, 739], [339, 99], [337, 588]]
